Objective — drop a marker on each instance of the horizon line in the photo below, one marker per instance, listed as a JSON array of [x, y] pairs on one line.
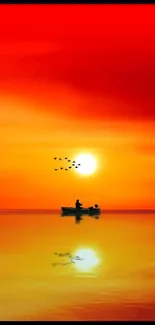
[[33, 210]]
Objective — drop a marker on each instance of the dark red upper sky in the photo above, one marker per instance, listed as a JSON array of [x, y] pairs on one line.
[[106, 51]]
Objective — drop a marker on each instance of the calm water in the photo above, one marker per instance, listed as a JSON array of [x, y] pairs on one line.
[[115, 278]]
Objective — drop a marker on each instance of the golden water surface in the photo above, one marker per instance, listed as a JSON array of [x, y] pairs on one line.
[[121, 285]]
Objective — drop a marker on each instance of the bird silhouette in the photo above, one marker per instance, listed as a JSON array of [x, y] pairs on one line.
[[65, 157], [74, 161], [61, 168], [76, 166], [59, 158], [70, 167], [55, 169], [66, 169], [55, 157], [68, 160], [79, 164]]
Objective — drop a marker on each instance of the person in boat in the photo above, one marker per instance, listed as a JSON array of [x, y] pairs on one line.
[[95, 207], [78, 205]]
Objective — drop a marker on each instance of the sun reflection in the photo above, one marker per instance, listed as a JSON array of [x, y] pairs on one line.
[[88, 259]]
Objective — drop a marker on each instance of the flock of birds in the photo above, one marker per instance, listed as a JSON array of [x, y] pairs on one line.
[[72, 162]]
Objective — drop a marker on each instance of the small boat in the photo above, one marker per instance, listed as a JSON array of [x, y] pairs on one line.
[[74, 211]]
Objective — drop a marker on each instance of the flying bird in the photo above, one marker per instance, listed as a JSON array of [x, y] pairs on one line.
[[61, 168], [59, 158], [66, 169], [76, 166], [55, 157], [66, 158], [79, 164], [70, 167], [74, 161], [55, 169]]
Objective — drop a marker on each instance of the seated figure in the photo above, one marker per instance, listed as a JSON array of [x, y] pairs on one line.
[[78, 205]]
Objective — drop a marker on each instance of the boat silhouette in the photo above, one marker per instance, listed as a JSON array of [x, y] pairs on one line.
[[81, 211]]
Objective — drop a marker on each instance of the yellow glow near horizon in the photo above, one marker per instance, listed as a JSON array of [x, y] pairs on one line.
[[87, 260], [87, 163]]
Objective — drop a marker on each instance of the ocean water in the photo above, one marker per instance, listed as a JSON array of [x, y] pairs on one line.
[[114, 278]]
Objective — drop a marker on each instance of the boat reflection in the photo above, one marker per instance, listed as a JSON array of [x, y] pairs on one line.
[[79, 216]]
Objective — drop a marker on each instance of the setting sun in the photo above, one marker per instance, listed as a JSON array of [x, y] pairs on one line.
[[87, 164]]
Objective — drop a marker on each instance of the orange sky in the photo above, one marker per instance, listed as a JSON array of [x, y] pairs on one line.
[[77, 79]]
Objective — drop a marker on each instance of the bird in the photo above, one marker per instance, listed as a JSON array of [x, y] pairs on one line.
[[55, 157], [76, 166], [79, 164], [66, 158], [70, 167], [61, 168], [55, 168], [59, 158], [73, 164], [66, 169], [74, 161]]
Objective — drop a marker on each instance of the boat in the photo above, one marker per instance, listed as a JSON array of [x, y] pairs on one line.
[[74, 211]]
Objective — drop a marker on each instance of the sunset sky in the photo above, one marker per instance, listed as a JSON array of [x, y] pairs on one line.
[[77, 79]]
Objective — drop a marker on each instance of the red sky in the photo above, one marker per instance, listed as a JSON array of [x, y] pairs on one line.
[[105, 51], [63, 65]]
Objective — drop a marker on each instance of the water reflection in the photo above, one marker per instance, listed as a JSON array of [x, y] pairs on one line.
[[70, 258], [87, 259], [79, 216], [84, 259], [116, 278]]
